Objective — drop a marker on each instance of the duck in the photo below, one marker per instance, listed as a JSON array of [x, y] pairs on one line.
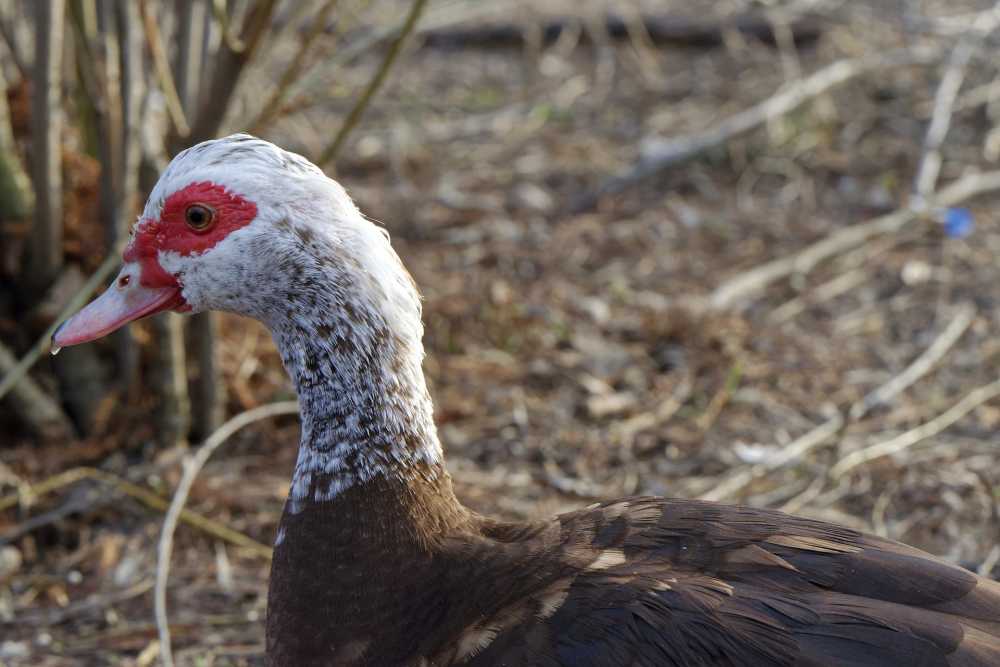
[[377, 562]]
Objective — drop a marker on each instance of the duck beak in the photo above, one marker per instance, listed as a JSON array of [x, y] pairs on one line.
[[124, 301]]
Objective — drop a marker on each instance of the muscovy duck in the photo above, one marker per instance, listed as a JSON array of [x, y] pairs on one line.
[[377, 563]]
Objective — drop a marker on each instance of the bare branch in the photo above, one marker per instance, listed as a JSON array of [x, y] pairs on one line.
[[139, 493], [188, 62], [944, 103], [228, 67], [743, 285], [682, 149], [162, 69], [174, 414], [921, 365], [272, 106], [9, 34], [794, 451], [929, 429], [208, 391], [16, 196], [221, 16], [127, 187], [330, 152]]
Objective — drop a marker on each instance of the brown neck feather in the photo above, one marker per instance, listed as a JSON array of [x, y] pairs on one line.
[[367, 560]]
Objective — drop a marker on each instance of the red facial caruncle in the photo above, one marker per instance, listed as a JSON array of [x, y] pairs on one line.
[[192, 221], [180, 229]]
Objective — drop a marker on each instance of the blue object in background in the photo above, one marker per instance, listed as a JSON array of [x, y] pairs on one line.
[[958, 222]]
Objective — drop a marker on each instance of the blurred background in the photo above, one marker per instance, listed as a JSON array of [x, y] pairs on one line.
[[739, 250]]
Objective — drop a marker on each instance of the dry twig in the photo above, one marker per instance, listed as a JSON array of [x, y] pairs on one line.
[[793, 451], [884, 393], [272, 107], [944, 104], [929, 429], [920, 366], [143, 495], [330, 152], [742, 286], [14, 46], [682, 149], [233, 42], [192, 467], [162, 68]]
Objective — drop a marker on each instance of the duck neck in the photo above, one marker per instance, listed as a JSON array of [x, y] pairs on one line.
[[369, 445]]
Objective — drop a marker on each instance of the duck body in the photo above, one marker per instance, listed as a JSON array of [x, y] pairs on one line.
[[377, 563], [636, 581]]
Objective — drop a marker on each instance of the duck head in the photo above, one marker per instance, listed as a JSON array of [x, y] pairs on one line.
[[240, 225]]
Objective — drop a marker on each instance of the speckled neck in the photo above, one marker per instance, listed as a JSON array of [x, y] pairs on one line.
[[364, 403], [350, 340]]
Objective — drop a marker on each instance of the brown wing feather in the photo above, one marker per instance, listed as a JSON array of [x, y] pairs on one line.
[[648, 581]]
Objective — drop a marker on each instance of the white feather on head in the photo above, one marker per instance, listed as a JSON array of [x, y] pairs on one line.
[[343, 310]]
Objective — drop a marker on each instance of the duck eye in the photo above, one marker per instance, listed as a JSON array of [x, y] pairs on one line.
[[199, 217]]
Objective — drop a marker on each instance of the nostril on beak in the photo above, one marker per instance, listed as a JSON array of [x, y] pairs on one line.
[[124, 281]]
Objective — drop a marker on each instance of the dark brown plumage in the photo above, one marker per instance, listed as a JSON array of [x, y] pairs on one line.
[[377, 563], [391, 575]]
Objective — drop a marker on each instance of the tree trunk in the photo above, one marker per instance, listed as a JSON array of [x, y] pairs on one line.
[[130, 53], [45, 245], [207, 391], [174, 413]]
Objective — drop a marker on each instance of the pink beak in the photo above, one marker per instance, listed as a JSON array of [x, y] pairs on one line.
[[125, 300]]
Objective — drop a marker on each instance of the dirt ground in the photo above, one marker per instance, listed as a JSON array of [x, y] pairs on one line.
[[577, 356]]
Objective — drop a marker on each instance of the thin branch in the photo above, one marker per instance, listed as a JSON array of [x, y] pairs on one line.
[[9, 34], [93, 602], [920, 366], [682, 149], [221, 16], [816, 436], [228, 65], [145, 496], [929, 429], [742, 286], [44, 343], [794, 451], [207, 392], [985, 568], [162, 68], [331, 151], [944, 104], [192, 466], [272, 106], [440, 15]]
